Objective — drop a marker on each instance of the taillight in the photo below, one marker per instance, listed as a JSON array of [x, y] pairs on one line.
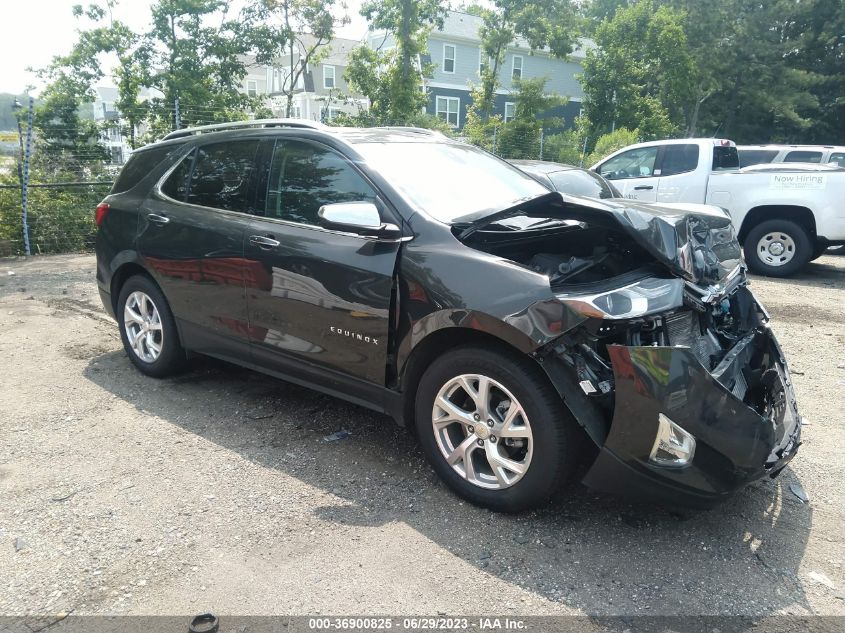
[[101, 212]]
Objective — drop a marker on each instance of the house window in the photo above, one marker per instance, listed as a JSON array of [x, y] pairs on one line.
[[448, 109], [516, 72], [328, 77], [252, 87], [510, 109], [448, 58]]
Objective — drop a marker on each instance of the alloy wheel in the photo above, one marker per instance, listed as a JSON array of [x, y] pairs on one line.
[[142, 324], [482, 431]]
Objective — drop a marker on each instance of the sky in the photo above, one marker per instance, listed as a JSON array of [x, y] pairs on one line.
[[37, 30]]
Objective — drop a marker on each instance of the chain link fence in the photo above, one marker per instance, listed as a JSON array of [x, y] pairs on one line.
[[522, 142]]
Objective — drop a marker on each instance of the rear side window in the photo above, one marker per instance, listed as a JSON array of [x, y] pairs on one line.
[[748, 157], [304, 177], [139, 165], [725, 158], [679, 159], [803, 156], [222, 176]]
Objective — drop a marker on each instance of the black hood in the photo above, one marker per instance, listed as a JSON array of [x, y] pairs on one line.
[[694, 241]]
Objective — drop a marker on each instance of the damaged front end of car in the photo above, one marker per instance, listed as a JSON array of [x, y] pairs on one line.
[[657, 346]]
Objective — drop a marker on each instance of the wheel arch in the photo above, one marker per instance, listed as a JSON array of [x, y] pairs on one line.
[[434, 345], [121, 274], [802, 216]]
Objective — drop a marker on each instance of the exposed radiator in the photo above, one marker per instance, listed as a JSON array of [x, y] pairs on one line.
[[683, 328]]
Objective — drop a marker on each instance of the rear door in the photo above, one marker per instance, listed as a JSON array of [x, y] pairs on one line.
[[191, 238], [324, 296], [679, 179], [633, 173]]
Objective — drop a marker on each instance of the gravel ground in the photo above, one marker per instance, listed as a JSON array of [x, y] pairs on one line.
[[216, 490]]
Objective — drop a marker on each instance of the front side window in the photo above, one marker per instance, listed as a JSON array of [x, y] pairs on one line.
[[448, 109], [635, 163], [328, 77], [516, 72], [679, 159], [304, 177], [803, 156], [448, 58], [577, 182], [838, 158], [222, 176], [510, 109]]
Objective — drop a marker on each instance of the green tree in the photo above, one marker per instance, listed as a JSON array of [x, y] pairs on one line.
[[297, 33], [392, 80], [641, 74], [549, 24]]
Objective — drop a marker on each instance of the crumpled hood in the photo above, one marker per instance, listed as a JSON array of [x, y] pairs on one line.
[[694, 241]]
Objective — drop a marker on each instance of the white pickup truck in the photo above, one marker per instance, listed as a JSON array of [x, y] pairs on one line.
[[785, 215]]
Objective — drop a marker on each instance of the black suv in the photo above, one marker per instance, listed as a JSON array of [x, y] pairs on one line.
[[519, 331]]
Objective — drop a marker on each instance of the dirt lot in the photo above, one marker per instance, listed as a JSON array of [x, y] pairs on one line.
[[216, 490]]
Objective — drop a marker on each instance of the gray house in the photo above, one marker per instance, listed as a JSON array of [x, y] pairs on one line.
[[455, 54]]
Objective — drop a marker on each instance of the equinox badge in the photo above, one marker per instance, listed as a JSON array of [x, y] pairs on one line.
[[354, 335]]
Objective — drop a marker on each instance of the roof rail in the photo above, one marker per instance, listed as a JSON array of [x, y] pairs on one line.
[[240, 125]]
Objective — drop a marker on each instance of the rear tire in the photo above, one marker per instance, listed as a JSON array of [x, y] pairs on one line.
[[539, 437], [148, 329], [777, 248]]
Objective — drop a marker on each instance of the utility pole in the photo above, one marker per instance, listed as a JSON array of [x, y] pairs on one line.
[[541, 143], [177, 118]]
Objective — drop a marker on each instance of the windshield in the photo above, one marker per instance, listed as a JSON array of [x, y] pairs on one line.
[[450, 180]]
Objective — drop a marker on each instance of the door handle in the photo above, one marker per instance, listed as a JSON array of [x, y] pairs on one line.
[[264, 241], [158, 219], [644, 188]]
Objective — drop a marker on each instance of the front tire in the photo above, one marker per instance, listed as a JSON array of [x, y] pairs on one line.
[[777, 248], [148, 329], [494, 429]]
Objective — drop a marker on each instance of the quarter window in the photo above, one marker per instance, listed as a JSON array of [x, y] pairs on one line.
[[139, 165], [328, 77], [304, 177], [803, 156], [448, 58], [510, 109], [635, 163], [516, 71], [222, 176], [448, 109]]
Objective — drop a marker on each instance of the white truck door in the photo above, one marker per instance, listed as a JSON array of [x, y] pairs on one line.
[[632, 172], [683, 170]]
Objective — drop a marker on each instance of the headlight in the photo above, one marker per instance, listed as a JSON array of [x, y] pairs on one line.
[[635, 300]]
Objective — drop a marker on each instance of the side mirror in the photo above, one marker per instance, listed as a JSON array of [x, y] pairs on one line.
[[356, 217]]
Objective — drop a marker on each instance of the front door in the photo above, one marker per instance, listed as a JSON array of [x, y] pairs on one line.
[[324, 296], [633, 173], [191, 239]]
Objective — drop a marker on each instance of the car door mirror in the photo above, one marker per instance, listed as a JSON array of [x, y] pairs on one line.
[[356, 217]]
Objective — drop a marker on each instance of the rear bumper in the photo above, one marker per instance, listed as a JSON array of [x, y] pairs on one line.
[[741, 434]]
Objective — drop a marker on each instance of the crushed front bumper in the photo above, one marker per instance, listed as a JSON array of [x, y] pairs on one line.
[[742, 414]]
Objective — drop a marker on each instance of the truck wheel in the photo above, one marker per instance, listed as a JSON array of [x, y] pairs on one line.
[[777, 248], [494, 429]]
